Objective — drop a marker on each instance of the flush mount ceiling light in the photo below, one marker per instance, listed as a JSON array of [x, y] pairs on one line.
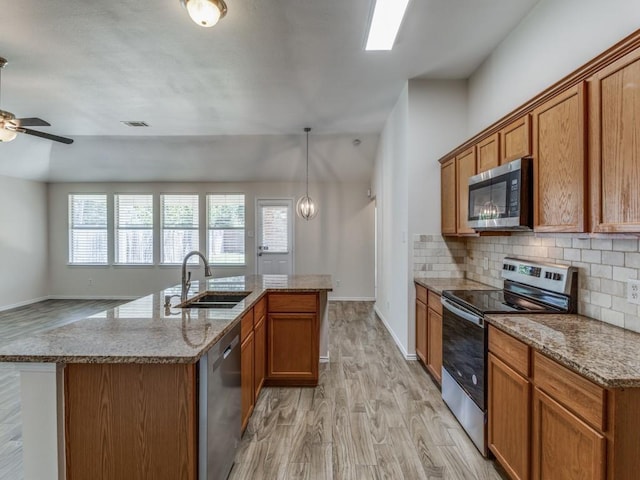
[[205, 13], [306, 207], [385, 23]]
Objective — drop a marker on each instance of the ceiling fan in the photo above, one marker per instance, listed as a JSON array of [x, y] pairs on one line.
[[10, 126]]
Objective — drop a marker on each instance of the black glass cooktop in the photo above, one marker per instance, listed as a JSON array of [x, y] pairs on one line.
[[493, 301]]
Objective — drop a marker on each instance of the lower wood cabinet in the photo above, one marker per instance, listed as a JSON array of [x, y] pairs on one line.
[[429, 331], [260, 355], [564, 447], [509, 404], [247, 378], [549, 422], [293, 342]]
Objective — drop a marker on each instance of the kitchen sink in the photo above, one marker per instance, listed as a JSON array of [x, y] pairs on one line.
[[215, 300]]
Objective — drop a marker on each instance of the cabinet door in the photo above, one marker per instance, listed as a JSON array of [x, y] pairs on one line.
[[246, 376], [434, 347], [488, 153], [515, 140], [564, 447], [260, 353], [421, 331], [614, 125], [448, 197], [465, 168], [559, 169], [293, 347], [509, 409]]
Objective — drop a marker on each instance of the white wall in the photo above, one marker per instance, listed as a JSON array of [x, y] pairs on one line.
[[553, 40], [428, 120], [339, 241], [23, 241]]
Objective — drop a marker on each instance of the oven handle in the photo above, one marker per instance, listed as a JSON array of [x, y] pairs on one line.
[[462, 313]]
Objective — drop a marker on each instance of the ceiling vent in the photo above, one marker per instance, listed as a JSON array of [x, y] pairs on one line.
[[135, 123]]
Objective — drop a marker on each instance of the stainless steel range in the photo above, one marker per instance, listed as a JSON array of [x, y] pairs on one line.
[[529, 287]]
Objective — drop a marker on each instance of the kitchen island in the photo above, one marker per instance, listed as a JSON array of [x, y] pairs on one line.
[[116, 395]]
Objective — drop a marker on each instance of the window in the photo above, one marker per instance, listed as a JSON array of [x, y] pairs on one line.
[[225, 229], [134, 229], [179, 227], [88, 229], [275, 228]]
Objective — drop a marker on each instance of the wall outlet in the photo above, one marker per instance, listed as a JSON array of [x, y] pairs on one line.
[[337, 283], [485, 263], [91, 282], [633, 291]]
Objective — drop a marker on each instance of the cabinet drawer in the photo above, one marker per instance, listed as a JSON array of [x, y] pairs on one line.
[[246, 325], [293, 302], [584, 398], [421, 294], [259, 310], [511, 351], [434, 302]]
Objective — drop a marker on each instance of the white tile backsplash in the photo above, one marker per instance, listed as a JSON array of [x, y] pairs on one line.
[[604, 265]]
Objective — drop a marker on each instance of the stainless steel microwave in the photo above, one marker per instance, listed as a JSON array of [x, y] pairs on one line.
[[502, 198]]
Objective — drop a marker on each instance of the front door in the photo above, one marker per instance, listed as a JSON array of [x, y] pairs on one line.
[[274, 236]]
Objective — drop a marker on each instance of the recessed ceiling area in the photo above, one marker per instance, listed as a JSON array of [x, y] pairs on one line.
[[267, 68]]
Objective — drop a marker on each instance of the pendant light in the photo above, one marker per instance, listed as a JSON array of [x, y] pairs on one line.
[[205, 13], [306, 208]]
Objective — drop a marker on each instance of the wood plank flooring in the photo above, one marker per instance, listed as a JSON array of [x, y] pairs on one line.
[[372, 416], [19, 323]]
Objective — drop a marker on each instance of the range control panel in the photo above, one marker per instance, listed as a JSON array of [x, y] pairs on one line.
[[556, 278]]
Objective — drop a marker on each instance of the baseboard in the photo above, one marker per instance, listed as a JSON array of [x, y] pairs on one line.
[[95, 297], [404, 353], [324, 359], [352, 299], [22, 304]]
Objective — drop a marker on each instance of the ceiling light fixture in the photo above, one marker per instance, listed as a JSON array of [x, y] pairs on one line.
[[205, 13], [306, 207], [7, 119], [385, 23]]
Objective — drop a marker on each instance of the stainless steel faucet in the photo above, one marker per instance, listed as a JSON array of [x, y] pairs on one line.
[[186, 279]]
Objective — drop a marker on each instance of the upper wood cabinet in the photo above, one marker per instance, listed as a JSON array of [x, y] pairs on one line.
[[614, 132], [465, 168], [515, 140], [489, 153], [560, 163], [448, 197]]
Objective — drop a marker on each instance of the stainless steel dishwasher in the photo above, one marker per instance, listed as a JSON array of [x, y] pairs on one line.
[[219, 408]]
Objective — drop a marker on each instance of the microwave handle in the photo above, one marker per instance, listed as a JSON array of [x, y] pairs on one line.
[[464, 314]]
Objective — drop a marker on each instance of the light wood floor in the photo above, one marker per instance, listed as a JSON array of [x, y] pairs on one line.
[[373, 416], [19, 323]]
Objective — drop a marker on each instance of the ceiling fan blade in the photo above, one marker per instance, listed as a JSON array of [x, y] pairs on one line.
[[48, 136], [32, 122]]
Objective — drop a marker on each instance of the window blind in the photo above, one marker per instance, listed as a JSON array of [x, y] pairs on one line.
[[275, 237], [88, 229], [179, 214], [226, 229], [134, 229]]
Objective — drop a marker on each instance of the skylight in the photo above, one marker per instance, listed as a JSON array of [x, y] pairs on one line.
[[387, 17]]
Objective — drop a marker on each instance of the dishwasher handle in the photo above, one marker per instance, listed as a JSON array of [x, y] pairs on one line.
[[225, 353]]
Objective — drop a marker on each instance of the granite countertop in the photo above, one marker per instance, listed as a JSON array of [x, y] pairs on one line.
[[438, 285], [144, 331], [605, 354]]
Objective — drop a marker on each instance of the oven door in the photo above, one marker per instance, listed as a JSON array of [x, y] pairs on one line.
[[464, 344]]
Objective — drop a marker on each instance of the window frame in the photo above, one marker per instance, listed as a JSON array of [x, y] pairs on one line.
[[243, 229], [70, 229]]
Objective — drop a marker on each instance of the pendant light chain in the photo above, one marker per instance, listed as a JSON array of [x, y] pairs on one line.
[[307, 129]]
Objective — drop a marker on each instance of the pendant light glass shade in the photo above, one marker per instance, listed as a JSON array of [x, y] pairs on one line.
[[306, 208], [205, 13]]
